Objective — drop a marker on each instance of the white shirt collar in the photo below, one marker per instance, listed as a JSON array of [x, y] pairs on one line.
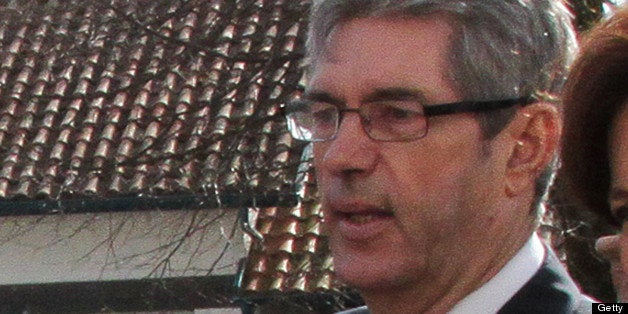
[[495, 293]]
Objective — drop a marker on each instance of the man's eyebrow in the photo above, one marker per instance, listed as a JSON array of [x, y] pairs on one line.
[[394, 93], [318, 95]]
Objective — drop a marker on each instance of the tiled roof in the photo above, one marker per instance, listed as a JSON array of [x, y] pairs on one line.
[[103, 99], [290, 253], [112, 104]]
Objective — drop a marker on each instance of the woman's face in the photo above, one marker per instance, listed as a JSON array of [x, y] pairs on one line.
[[616, 247]]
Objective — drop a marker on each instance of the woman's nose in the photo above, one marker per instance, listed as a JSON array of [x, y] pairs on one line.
[[609, 247]]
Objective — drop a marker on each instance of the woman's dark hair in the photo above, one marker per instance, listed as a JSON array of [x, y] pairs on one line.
[[595, 92]]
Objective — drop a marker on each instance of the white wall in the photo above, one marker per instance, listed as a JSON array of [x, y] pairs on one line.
[[111, 246]]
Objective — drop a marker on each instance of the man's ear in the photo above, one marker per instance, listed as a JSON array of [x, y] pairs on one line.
[[534, 135]]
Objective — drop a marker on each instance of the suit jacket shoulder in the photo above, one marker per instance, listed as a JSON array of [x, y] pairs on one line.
[[551, 290]]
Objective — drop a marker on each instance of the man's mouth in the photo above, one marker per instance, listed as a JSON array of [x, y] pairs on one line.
[[359, 224], [359, 218]]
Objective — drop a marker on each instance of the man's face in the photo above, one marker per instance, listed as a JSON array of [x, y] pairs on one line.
[[401, 213]]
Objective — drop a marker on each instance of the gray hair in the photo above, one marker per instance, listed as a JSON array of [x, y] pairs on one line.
[[501, 48]]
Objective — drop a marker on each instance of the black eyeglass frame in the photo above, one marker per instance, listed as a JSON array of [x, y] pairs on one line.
[[428, 111]]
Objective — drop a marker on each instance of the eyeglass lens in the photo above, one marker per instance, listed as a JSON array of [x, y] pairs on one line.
[[401, 120]]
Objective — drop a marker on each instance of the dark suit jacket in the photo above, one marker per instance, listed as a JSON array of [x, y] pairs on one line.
[[550, 291]]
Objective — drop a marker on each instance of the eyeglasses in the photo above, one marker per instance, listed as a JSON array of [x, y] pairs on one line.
[[387, 121]]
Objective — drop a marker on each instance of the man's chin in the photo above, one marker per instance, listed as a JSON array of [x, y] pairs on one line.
[[374, 264], [364, 282], [366, 274]]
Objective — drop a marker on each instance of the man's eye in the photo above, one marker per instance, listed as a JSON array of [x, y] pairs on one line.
[[324, 116], [392, 113]]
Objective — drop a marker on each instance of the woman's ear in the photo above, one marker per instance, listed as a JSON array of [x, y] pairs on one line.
[[535, 134]]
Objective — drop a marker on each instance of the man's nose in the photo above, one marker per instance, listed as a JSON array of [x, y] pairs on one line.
[[352, 151]]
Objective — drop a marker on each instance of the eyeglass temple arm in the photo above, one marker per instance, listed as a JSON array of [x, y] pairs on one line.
[[476, 106]]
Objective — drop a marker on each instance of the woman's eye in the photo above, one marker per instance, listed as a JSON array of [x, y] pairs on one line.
[[621, 213]]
